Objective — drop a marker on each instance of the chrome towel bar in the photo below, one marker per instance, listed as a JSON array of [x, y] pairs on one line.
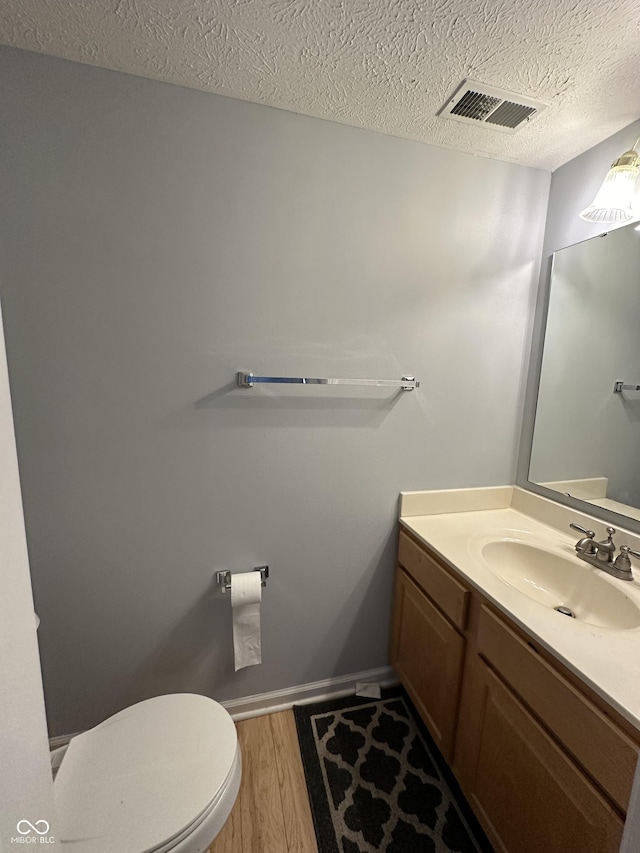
[[619, 387], [248, 380]]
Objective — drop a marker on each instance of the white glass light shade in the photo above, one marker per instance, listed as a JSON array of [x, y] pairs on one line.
[[614, 199]]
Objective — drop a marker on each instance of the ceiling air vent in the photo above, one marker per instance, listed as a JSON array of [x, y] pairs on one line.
[[475, 103]]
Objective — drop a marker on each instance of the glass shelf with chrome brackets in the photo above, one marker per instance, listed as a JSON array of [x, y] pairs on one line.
[[248, 380], [620, 386]]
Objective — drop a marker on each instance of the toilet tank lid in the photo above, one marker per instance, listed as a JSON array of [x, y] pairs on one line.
[[141, 777]]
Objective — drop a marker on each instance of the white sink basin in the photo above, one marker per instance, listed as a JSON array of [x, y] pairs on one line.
[[555, 580]]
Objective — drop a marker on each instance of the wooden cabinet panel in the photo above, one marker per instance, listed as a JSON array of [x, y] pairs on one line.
[[526, 791], [590, 736], [427, 653], [450, 595], [545, 765]]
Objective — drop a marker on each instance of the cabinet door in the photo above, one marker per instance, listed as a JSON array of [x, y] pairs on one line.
[[427, 653], [527, 793], [594, 741]]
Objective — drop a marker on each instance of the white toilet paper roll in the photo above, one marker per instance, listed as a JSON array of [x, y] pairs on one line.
[[246, 595]]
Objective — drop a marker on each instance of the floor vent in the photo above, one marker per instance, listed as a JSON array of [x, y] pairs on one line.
[[475, 103]]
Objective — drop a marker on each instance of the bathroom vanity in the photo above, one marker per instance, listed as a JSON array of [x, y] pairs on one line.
[[537, 713]]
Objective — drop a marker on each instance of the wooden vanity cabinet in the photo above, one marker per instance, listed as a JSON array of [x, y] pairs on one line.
[[427, 643], [427, 653], [527, 793], [546, 765]]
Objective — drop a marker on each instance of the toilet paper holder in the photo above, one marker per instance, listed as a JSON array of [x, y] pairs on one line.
[[223, 579]]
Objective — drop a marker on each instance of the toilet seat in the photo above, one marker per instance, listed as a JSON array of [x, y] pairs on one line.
[[198, 837], [153, 778]]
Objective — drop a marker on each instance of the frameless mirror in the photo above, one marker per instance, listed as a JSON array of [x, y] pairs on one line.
[[586, 434]]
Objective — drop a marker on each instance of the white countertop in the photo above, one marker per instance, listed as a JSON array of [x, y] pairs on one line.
[[607, 660]]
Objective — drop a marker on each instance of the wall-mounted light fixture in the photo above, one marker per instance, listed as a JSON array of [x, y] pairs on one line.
[[614, 199]]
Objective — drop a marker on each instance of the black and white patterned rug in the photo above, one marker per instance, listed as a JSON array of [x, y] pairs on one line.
[[377, 783]]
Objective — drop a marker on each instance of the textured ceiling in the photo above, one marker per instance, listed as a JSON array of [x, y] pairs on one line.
[[385, 65]]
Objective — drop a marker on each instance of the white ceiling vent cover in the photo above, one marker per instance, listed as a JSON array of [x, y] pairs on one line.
[[498, 109]]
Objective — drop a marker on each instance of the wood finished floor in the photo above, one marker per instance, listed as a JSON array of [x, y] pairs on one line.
[[272, 813]]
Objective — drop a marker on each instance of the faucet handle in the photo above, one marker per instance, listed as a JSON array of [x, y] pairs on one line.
[[585, 545], [588, 533], [623, 563], [626, 550]]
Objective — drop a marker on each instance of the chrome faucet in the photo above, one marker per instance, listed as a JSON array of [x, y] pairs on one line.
[[600, 554], [606, 549]]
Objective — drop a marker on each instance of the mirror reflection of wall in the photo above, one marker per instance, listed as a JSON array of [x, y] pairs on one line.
[[586, 437]]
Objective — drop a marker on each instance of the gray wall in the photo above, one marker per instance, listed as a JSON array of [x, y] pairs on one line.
[[573, 187], [155, 240]]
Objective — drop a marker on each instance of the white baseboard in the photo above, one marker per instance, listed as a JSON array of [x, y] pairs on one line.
[[304, 694], [61, 740], [282, 700]]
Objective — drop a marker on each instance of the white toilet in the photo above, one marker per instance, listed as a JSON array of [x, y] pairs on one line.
[[159, 777]]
